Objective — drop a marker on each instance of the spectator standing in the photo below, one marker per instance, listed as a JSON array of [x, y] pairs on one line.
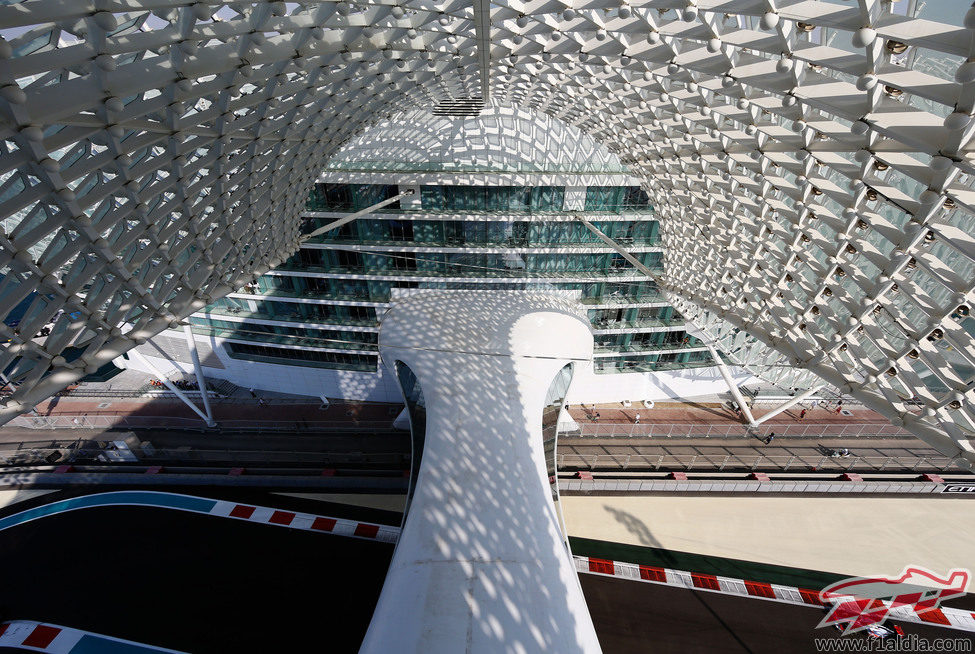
[[802, 414]]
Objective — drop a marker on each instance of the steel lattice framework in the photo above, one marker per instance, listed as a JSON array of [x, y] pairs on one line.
[[810, 161]]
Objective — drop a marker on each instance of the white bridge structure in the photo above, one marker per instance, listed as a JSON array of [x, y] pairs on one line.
[[810, 162], [482, 564]]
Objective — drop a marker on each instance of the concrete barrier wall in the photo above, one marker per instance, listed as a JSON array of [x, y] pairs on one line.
[[745, 486]]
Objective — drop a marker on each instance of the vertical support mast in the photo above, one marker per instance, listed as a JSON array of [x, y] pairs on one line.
[[172, 387], [482, 31], [788, 404], [198, 369], [732, 386]]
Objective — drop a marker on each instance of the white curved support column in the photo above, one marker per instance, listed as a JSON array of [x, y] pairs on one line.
[[788, 404], [732, 386], [172, 387], [198, 370], [481, 565]]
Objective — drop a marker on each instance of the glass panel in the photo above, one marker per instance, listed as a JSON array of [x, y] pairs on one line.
[[303, 357], [604, 198], [554, 400], [416, 406]]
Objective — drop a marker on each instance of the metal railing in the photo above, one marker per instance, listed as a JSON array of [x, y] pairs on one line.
[[604, 365], [245, 334], [646, 348], [392, 165], [291, 316], [636, 324], [444, 269], [88, 452], [784, 463], [588, 429], [473, 243], [568, 430], [382, 298], [611, 299]]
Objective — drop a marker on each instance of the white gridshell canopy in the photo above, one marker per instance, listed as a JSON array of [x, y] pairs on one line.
[[810, 162]]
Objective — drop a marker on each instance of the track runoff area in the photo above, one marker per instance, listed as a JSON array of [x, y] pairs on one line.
[[45, 637]]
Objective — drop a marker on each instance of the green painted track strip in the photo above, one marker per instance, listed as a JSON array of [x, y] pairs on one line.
[[114, 498]]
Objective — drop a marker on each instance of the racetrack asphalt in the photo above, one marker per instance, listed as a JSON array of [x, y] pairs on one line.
[[211, 585], [633, 617]]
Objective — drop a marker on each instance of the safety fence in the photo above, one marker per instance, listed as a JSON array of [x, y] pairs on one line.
[[784, 462], [796, 430], [92, 452], [808, 485], [105, 421], [580, 429]]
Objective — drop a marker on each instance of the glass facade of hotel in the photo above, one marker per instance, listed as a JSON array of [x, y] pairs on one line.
[[321, 307]]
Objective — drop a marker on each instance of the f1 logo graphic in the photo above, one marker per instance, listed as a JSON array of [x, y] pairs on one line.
[[862, 602], [958, 488]]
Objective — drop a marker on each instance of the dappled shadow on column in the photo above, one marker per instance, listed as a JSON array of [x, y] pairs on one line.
[[481, 565]]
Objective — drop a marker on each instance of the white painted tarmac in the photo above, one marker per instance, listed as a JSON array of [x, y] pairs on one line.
[[8, 497], [858, 536]]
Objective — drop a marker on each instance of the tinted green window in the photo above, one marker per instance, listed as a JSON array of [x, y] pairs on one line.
[[288, 356], [603, 198], [349, 197], [616, 198], [492, 198], [365, 195]]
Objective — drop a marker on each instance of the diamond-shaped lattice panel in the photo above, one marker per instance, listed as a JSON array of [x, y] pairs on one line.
[[809, 161]]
